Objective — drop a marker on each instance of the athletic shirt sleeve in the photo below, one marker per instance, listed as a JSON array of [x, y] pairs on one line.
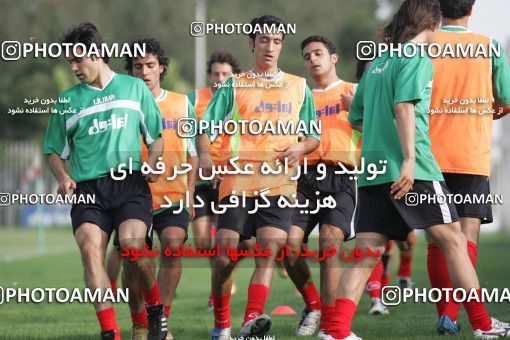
[[192, 97], [191, 150], [500, 76], [356, 110], [55, 139], [307, 113], [221, 106], [413, 77], [150, 117]]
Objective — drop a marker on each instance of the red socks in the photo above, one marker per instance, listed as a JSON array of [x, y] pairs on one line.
[[405, 265], [311, 297], [221, 311], [151, 296], [140, 318], [342, 319], [438, 274], [167, 310], [327, 314], [257, 296], [374, 281], [107, 321]]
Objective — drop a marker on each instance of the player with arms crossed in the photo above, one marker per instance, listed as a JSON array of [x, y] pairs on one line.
[[266, 103], [107, 114]]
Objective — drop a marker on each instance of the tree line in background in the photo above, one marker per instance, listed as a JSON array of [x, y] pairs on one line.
[[345, 22]]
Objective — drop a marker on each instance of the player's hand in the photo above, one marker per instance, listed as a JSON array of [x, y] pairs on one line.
[[205, 163], [66, 186], [293, 153], [347, 100], [151, 178], [406, 180]]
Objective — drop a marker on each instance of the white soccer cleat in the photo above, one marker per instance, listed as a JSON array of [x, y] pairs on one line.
[[405, 282], [323, 335], [377, 307], [309, 322], [256, 327], [495, 323], [494, 333], [220, 334]]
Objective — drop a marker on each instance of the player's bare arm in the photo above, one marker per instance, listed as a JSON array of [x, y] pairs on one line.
[[294, 152], [406, 126], [155, 151], [66, 185]]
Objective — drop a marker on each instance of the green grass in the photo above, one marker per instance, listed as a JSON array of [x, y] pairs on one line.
[[21, 266]]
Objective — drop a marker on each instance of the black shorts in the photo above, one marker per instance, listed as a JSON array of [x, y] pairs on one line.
[[209, 196], [340, 187], [115, 202], [238, 219], [160, 221], [471, 185], [380, 212], [168, 218]]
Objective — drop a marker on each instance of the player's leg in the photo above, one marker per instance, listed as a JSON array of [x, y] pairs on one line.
[[387, 261], [221, 282], [113, 263], [300, 274], [136, 305], [92, 242], [256, 323], [170, 268], [373, 287], [406, 258], [352, 284], [453, 244]]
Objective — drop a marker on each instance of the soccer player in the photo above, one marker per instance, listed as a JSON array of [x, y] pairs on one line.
[[391, 107], [220, 66], [171, 223], [339, 144], [264, 94], [461, 142], [99, 131]]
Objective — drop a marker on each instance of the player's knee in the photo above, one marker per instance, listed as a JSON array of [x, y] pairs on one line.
[[131, 243], [222, 262], [91, 254]]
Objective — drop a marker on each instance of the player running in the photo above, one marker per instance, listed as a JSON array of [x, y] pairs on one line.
[[220, 67], [100, 131], [339, 144], [391, 107], [265, 94], [466, 162]]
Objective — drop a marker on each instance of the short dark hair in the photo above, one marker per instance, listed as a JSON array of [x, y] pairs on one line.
[[222, 57], [266, 19], [317, 38], [455, 9], [87, 34], [152, 46]]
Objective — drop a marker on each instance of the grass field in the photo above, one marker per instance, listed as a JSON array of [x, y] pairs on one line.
[[21, 266]]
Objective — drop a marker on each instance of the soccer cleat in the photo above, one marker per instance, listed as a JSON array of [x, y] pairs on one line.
[[157, 323], [323, 335], [445, 325], [220, 334], [494, 333], [495, 323], [108, 335], [309, 322], [169, 335], [256, 327], [404, 282], [377, 307], [139, 333]]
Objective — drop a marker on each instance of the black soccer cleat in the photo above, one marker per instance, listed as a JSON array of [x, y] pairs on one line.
[[157, 323], [108, 335]]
